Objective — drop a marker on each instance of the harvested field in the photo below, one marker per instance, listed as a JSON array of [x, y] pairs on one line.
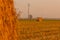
[[34, 30]]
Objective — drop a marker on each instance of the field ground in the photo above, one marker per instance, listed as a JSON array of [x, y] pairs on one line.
[[35, 30]]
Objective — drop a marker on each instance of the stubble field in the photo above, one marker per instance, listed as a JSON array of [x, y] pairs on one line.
[[35, 30]]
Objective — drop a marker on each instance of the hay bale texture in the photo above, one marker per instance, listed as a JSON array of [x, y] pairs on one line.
[[7, 20]]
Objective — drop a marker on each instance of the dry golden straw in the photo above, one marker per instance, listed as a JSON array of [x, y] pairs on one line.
[[7, 20]]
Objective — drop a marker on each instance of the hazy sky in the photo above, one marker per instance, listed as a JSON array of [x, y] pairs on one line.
[[39, 8]]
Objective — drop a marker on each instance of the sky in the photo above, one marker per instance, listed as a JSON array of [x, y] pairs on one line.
[[38, 8]]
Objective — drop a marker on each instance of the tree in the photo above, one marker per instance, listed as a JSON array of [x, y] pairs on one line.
[[19, 14], [30, 16]]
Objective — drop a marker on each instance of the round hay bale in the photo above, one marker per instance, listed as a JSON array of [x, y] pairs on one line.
[[39, 19]]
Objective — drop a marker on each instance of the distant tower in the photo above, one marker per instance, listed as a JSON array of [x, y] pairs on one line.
[[28, 9], [7, 20]]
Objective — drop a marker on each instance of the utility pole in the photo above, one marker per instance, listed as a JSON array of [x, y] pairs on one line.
[[28, 9]]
